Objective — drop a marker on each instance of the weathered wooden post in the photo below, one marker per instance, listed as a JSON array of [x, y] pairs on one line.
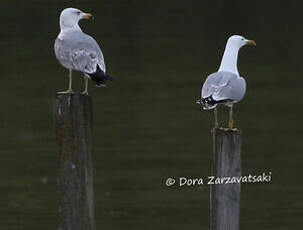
[[73, 121], [225, 198]]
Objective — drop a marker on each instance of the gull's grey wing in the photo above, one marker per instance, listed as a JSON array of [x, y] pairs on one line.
[[79, 51], [224, 86]]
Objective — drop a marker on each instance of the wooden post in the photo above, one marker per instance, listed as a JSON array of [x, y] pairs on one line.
[[73, 121], [225, 198]]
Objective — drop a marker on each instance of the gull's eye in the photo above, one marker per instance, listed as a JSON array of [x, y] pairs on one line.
[[78, 12]]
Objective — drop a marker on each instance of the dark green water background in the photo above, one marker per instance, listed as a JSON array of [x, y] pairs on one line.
[[146, 125]]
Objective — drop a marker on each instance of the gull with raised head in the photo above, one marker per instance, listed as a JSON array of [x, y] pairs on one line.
[[225, 86], [78, 51]]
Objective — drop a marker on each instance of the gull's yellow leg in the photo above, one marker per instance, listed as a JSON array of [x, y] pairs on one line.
[[70, 81], [231, 121], [216, 117], [69, 90], [86, 86]]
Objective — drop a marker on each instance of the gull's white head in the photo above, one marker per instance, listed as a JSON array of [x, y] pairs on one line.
[[237, 41], [70, 17], [230, 56]]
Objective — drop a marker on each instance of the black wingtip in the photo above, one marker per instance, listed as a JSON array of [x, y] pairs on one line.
[[100, 78], [103, 83], [209, 102]]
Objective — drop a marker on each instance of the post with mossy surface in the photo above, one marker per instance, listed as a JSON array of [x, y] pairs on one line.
[[73, 122], [225, 198]]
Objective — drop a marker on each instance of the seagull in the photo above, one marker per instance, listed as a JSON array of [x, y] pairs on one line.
[[78, 51], [225, 86]]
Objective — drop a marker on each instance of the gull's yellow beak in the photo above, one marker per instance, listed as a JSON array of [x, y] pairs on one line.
[[251, 43], [87, 16]]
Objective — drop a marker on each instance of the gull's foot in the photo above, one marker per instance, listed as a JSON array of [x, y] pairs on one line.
[[66, 92], [231, 124], [84, 93]]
